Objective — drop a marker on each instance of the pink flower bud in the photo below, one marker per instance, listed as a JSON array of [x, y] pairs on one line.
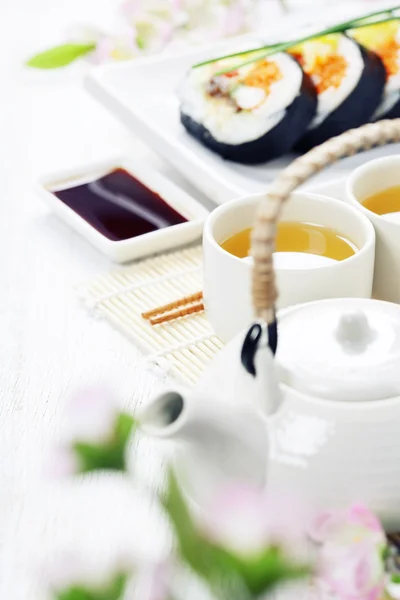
[[352, 542], [355, 524]]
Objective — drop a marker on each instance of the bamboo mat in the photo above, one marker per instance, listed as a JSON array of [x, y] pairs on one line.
[[183, 347]]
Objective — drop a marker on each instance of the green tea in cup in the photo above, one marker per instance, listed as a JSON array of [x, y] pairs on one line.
[[384, 202], [297, 237]]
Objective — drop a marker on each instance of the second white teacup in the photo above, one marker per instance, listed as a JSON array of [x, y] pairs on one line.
[[227, 278], [369, 179]]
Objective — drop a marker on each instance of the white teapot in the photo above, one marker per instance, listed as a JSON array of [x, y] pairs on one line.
[[330, 431], [322, 418]]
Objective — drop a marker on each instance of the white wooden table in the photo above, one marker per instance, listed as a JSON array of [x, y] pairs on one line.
[[49, 345]]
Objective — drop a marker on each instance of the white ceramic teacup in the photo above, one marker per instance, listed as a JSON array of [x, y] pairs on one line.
[[227, 279], [371, 178]]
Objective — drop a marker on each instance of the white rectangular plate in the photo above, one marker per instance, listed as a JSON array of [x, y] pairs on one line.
[[142, 94]]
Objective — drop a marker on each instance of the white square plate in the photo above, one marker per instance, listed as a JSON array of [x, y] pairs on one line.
[[142, 94]]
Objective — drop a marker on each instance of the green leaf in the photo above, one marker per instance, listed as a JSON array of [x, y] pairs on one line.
[[110, 455], [114, 590], [386, 552], [190, 545], [395, 578], [60, 56], [204, 558], [261, 573]]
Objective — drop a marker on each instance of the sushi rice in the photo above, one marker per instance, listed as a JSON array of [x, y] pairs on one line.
[[251, 114]]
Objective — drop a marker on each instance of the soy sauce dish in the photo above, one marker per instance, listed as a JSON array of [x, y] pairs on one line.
[[124, 208]]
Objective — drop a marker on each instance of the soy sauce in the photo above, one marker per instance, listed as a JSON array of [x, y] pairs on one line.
[[119, 206]]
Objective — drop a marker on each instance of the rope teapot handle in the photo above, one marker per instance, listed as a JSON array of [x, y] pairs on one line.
[[264, 292]]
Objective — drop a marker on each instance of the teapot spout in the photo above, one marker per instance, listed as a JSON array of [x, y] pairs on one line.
[[219, 444], [160, 418]]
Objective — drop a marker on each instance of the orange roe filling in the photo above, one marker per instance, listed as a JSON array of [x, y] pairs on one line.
[[389, 52], [329, 71], [326, 71], [263, 75]]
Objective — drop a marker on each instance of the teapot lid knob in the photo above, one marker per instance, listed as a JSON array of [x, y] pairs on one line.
[[354, 332]]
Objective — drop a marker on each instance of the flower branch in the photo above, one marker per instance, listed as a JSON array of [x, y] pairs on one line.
[[245, 542]]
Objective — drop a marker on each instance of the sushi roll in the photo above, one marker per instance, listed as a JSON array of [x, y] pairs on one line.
[[251, 114], [384, 40], [350, 81]]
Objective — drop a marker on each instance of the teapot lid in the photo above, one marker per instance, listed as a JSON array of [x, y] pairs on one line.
[[341, 349]]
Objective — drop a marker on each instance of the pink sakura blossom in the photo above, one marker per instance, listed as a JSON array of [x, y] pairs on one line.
[[150, 26], [153, 11], [90, 416], [112, 45], [351, 553], [166, 21], [235, 18], [234, 21], [354, 525], [177, 4], [130, 9], [116, 47], [136, 9], [248, 520], [153, 23]]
